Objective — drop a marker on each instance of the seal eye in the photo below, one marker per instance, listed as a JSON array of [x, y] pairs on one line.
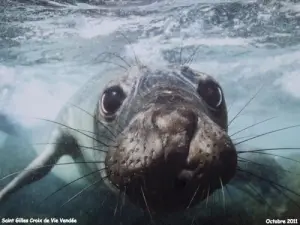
[[112, 99], [211, 93]]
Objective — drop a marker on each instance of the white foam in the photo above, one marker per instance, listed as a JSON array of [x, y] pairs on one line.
[[70, 26], [91, 28], [37, 98], [7, 79], [290, 83], [7, 76], [226, 41], [35, 95], [150, 50], [253, 65], [290, 6]]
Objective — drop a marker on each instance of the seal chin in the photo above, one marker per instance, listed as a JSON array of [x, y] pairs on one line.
[[171, 157]]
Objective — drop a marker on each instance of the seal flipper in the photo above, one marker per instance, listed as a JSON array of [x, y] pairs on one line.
[[65, 144]]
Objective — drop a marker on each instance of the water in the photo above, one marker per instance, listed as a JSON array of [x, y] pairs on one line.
[[47, 51]]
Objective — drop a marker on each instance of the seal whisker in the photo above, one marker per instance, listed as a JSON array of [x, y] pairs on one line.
[[253, 125], [270, 182], [223, 194], [280, 156], [68, 184], [109, 62], [213, 204], [269, 149], [116, 55], [121, 129], [148, 209], [207, 196], [247, 103], [138, 63], [191, 57], [123, 201], [266, 133], [88, 131], [98, 121], [245, 189], [63, 125], [231, 198], [105, 198], [120, 203], [49, 165], [235, 98], [80, 192], [277, 187], [258, 197], [117, 205], [81, 146], [193, 197], [99, 136], [262, 197], [93, 148], [218, 196], [285, 195], [243, 137], [193, 220], [88, 212], [265, 166]]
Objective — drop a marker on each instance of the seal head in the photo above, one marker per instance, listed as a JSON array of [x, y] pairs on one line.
[[174, 149]]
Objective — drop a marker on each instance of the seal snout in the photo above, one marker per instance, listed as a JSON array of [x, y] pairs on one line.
[[171, 156], [177, 128], [172, 153]]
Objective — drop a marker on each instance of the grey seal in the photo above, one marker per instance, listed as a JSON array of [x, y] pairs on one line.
[[159, 136]]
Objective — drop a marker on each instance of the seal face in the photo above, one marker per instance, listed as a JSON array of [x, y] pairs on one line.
[[174, 149]]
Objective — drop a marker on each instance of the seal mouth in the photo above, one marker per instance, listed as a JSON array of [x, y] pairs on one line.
[[171, 157]]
